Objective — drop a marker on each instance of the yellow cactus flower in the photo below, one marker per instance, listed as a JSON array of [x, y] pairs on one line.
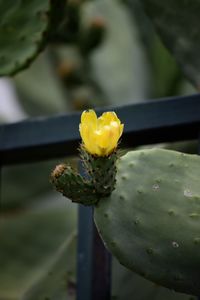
[[100, 135]]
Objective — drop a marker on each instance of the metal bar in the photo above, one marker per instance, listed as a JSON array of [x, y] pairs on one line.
[[92, 256], [85, 253], [198, 152], [1, 204], [101, 279], [157, 121]]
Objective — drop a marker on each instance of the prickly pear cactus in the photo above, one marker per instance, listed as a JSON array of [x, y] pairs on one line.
[[73, 185], [22, 33], [151, 221]]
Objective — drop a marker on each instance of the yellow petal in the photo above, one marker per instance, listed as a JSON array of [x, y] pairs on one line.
[[121, 129], [107, 117], [89, 117], [84, 132], [113, 142], [93, 145], [87, 126], [100, 136]]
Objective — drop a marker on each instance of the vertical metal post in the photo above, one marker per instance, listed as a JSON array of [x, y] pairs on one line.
[[0, 188], [1, 204], [93, 260], [198, 150], [84, 255], [101, 281]]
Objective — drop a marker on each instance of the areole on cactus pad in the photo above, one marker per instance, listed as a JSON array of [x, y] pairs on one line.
[[146, 207]]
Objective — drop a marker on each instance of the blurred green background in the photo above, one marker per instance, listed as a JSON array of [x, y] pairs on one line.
[[108, 54]]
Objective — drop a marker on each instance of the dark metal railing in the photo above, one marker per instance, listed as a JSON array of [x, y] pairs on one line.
[[165, 120]]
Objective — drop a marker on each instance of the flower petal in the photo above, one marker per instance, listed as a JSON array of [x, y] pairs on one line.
[[107, 117], [103, 137], [100, 136], [121, 129], [89, 117]]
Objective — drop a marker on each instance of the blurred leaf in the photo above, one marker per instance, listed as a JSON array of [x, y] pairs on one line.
[[166, 76], [59, 280], [40, 90], [177, 22], [22, 31], [119, 64], [32, 244], [115, 72], [25, 185]]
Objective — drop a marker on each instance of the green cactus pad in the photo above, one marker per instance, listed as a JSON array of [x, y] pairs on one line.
[[22, 33], [101, 170], [151, 222], [72, 185]]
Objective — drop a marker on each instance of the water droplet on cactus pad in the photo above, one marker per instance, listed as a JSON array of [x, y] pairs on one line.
[[175, 244], [155, 187], [187, 193]]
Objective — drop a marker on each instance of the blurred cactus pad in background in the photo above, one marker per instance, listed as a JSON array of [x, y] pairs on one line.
[[59, 56]]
